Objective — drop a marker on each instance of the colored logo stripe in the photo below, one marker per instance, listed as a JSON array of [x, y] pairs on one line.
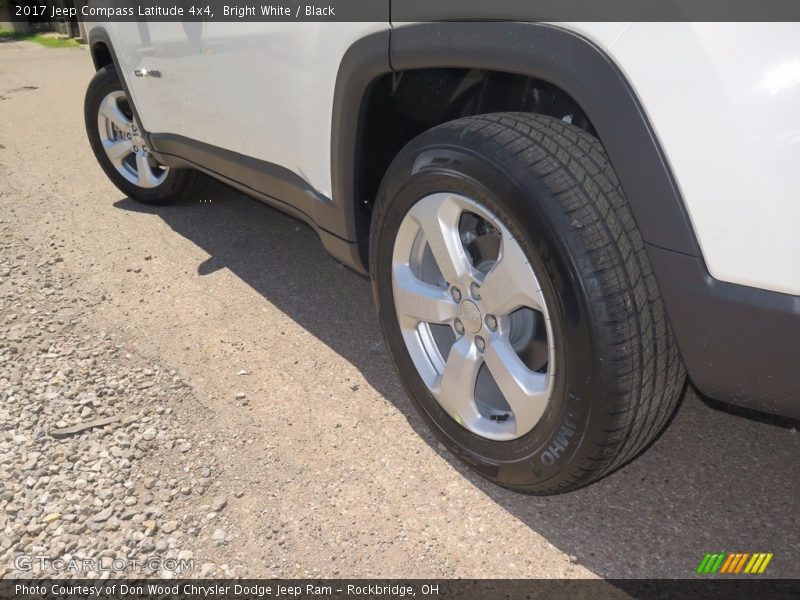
[[717, 563], [727, 564], [711, 563], [701, 568], [737, 563], [758, 563], [734, 563]]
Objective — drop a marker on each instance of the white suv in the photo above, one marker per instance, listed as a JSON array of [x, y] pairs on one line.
[[560, 221]]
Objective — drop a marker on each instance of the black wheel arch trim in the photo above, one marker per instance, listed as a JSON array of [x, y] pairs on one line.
[[361, 66], [546, 52], [738, 343]]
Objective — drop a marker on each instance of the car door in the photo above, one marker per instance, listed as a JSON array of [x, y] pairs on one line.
[[262, 90]]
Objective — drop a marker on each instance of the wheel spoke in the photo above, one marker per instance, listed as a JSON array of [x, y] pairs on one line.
[[511, 284], [428, 251], [111, 111], [525, 390], [420, 301], [438, 216], [455, 388], [117, 150], [144, 172]]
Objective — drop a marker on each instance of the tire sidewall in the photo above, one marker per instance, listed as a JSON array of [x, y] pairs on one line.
[[539, 460]]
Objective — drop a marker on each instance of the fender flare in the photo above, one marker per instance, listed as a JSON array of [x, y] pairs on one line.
[[550, 53]]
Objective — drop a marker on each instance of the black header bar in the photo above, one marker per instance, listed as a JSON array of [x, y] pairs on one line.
[[400, 11], [732, 588]]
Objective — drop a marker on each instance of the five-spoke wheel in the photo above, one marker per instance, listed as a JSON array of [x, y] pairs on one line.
[[517, 301], [473, 316], [124, 145]]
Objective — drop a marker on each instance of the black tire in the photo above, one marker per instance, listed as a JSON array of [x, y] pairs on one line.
[[179, 184], [620, 375]]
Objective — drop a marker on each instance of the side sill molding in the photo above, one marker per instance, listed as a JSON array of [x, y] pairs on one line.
[[272, 184]]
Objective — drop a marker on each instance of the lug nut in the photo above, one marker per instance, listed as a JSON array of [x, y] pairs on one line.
[[480, 344], [491, 322], [129, 136], [475, 290], [459, 326], [136, 148], [456, 293]]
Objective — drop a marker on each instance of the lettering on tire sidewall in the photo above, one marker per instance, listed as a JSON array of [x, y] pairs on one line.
[[564, 441]]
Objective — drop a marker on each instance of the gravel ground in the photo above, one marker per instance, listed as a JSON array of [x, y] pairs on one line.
[[260, 429], [133, 494]]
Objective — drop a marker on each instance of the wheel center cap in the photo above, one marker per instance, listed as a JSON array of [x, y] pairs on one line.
[[471, 316]]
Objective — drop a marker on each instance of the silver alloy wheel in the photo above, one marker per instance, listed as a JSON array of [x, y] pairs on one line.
[[473, 316], [124, 145]]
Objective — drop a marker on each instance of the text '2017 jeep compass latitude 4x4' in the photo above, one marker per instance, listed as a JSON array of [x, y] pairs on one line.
[[562, 222]]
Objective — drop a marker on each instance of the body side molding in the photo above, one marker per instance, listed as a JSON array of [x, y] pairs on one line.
[[272, 184]]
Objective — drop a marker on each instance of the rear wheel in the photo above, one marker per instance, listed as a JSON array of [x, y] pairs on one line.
[[518, 303], [121, 148]]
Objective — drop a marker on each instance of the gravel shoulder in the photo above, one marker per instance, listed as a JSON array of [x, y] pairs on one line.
[[95, 464], [262, 430]]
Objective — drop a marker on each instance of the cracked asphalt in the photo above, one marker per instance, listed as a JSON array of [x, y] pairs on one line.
[[324, 466]]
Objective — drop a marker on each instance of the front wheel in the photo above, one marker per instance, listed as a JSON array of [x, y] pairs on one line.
[[121, 148], [518, 304]]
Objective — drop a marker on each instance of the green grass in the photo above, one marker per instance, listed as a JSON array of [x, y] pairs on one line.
[[39, 38]]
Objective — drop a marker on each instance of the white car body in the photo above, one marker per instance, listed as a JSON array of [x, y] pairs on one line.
[[723, 98]]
